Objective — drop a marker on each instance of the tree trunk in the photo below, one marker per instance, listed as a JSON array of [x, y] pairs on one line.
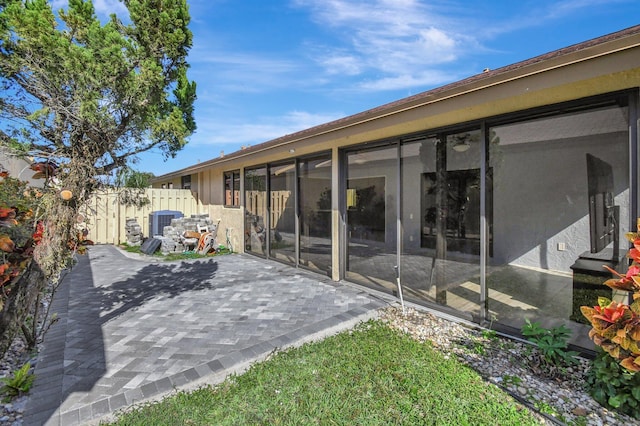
[[442, 204], [19, 304]]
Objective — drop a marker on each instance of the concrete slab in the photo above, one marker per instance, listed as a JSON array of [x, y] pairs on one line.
[[133, 329]]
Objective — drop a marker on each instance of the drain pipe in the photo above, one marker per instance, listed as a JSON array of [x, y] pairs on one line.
[[404, 313]]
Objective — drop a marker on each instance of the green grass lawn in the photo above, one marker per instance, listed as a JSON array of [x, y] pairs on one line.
[[370, 376]]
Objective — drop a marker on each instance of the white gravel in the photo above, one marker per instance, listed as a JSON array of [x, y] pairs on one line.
[[511, 365]]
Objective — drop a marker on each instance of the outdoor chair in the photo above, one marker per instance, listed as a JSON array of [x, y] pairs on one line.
[[207, 241]]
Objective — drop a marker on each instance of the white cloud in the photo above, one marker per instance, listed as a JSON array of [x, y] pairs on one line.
[[406, 81], [107, 7], [341, 64], [389, 44], [103, 8], [215, 132], [401, 42], [541, 13], [231, 69]]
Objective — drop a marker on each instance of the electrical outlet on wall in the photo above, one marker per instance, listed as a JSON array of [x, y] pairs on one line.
[[562, 246]]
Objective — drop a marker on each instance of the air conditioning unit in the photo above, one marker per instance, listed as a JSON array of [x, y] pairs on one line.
[[158, 220]]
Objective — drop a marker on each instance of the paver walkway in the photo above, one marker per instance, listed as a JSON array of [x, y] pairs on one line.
[[131, 329]]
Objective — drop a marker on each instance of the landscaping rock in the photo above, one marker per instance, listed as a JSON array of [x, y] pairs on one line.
[[506, 363]]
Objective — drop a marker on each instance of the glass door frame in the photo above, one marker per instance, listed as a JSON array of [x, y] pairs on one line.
[[440, 134], [297, 208], [270, 167]]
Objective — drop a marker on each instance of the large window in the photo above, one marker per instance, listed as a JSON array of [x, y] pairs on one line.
[[561, 204], [314, 183], [282, 212], [288, 212], [186, 182], [232, 188], [371, 203], [501, 221], [255, 198], [440, 259]]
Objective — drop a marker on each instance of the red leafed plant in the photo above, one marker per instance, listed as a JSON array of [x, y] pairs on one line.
[[616, 326]]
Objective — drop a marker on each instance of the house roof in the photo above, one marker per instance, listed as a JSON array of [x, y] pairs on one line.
[[621, 40]]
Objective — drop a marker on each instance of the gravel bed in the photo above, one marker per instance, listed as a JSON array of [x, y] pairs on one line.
[[15, 357], [513, 366]]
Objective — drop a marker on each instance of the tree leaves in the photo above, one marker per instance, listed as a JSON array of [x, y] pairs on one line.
[[118, 89]]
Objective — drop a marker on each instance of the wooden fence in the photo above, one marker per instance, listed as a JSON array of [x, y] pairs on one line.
[[105, 217]]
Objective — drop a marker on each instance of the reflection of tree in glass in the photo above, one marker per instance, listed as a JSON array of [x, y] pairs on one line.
[[366, 218], [320, 220], [255, 180]]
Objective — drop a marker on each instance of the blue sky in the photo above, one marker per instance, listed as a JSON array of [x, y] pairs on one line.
[[267, 68]]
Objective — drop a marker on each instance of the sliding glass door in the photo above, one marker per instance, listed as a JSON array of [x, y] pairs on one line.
[[314, 189], [440, 258], [562, 207], [413, 214], [255, 196], [282, 212], [371, 216]]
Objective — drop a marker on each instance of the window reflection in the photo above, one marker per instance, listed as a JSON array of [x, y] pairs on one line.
[[541, 205], [371, 217], [282, 216], [255, 196], [314, 180], [440, 260]]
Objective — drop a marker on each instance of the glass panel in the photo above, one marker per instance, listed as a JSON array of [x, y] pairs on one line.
[[371, 217], [228, 178], [314, 180], [236, 188], [552, 178], [283, 213], [186, 182], [440, 260], [255, 198]]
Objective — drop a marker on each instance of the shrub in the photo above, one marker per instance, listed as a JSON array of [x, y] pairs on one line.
[[613, 386], [613, 380], [552, 343], [616, 326], [20, 382]]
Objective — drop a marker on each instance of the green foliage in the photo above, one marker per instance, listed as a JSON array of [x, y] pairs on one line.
[[130, 178], [552, 343], [478, 347], [88, 96], [14, 194], [132, 186], [75, 84], [508, 379], [545, 408], [372, 375], [20, 382], [489, 334], [613, 386], [615, 325]]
